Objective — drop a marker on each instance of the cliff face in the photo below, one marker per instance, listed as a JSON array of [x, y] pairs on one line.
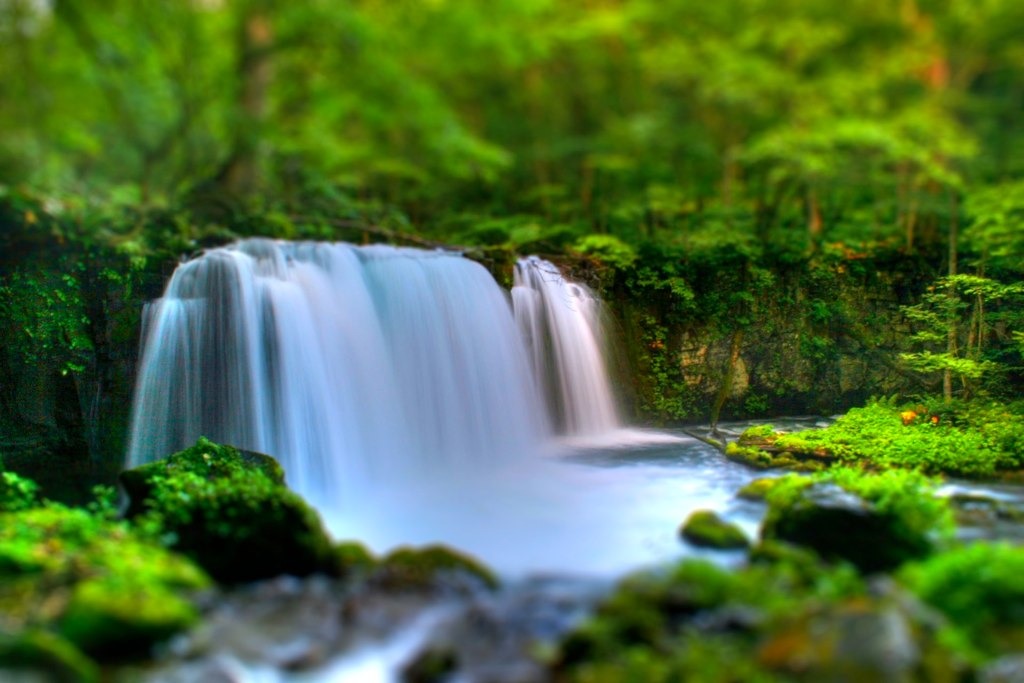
[[803, 338], [799, 338]]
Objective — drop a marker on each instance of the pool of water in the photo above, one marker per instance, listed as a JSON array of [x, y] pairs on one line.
[[594, 507]]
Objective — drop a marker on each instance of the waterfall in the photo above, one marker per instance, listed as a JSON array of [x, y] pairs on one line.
[[561, 325], [353, 365]]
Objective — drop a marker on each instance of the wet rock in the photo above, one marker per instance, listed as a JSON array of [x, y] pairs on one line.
[[841, 525], [430, 666], [1008, 669], [706, 529], [865, 639], [435, 566], [285, 623], [982, 516]]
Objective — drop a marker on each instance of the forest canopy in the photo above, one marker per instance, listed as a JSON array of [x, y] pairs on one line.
[[867, 120]]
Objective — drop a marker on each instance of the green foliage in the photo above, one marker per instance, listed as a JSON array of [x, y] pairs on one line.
[[961, 310], [980, 587], [230, 511], [95, 580], [17, 493], [648, 628], [46, 311], [607, 249], [975, 442], [901, 520], [37, 651]]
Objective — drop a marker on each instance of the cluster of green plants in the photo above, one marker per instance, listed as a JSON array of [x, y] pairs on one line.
[[779, 616], [650, 628], [974, 439]]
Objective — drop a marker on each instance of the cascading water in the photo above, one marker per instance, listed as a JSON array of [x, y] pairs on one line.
[[561, 324], [409, 402], [348, 364]]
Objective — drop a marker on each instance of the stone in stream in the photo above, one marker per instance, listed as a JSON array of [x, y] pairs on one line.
[[841, 525], [230, 511], [706, 529]]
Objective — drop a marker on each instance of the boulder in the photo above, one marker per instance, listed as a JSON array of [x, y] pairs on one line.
[[106, 589], [432, 567], [230, 511], [839, 524], [706, 529]]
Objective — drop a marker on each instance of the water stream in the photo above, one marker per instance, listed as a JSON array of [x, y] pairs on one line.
[[414, 401]]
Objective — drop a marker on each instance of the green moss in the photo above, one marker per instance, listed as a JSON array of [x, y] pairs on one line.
[[239, 527], [417, 567], [757, 434], [205, 459], [659, 626], [121, 615], [64, 567], [753, 457], [758, 489], [706, 529], [980, 588], [46, 654], [876, 521], [353, 558]]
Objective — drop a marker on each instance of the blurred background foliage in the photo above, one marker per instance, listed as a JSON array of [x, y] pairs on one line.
[[795, 122]]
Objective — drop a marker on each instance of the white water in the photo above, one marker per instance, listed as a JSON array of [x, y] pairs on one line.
[[368, 369], [561, 325]]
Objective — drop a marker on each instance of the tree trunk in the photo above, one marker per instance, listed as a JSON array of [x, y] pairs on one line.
[[241, 174], [951, 339], [730, 374]]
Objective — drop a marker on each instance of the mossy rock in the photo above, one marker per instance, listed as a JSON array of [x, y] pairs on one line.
[[107, 589], [839, 524], [417, 568], [706, 529], [46, 655], [758, 489], [116, 617], [751, 457], [205, 459], [241, 528], [352, 558], [757, 435]]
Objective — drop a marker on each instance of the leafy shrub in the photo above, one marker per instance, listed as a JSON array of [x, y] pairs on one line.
[[608, 249], [980, 588], [977, 442], [17, 493]]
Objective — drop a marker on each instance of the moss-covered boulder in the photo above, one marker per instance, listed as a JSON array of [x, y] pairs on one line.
[[352, 558], [40, 655], [876, 522], [757, 490], [980, 588], [107, 589], [706, 529], [206, 459], [427, 567], [230, 511]]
